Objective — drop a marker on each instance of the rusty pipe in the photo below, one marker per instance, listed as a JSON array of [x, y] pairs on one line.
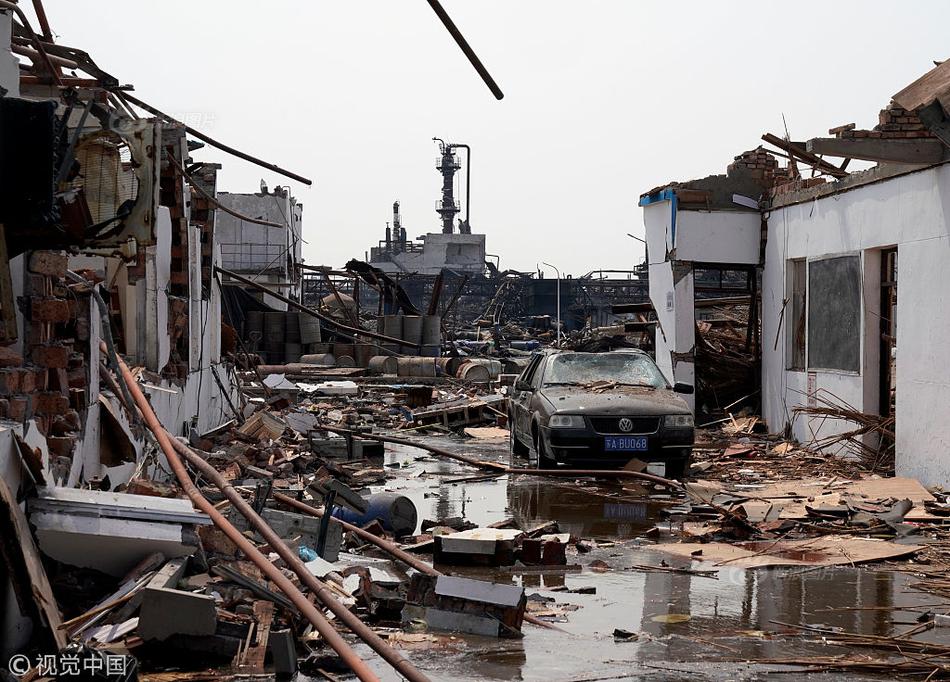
[[53, 71], [465, 459], [293, 561], [36, 56], [327, 631]]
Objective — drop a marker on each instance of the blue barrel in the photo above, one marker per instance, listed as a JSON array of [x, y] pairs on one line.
[[395, 512]]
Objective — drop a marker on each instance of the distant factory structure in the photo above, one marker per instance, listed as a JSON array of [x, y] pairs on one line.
[[454, 248]]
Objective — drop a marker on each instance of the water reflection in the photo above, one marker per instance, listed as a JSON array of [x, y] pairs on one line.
[[584, 513]]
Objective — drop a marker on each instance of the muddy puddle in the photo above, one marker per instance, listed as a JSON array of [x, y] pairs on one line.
[[712, 626]]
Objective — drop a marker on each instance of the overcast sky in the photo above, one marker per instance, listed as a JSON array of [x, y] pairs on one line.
[[604, 99]]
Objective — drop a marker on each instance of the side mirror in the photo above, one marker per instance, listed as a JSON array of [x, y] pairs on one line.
[[680, 387], [521, 385]]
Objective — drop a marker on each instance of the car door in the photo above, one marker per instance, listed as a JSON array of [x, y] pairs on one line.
[[535, 401], [520, 408]]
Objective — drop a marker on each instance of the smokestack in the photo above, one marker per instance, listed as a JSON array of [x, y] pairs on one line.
[[389, 239]]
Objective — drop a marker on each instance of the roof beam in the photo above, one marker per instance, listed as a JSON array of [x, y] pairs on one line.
[[913, 151]]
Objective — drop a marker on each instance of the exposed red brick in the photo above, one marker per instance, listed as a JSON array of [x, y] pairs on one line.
[[27, 379], [9, 381], [50, 309], [9, 357], [48, 402], [49, 263], [61, 446], [51, 355], [19, 407]]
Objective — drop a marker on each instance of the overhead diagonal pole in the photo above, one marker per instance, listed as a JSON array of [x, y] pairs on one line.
[[214, 143], [466, 48]]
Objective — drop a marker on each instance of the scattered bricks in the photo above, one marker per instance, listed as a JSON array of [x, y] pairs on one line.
[[142, 486], [48, 402], [9, 381], [61, 446], [50, 310], [49, 263], [19, 407], [9, 357], [840, 129], [51, 355]]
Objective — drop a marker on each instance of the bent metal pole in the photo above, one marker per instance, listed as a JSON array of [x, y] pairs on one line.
[[293, 561], [312, 614]]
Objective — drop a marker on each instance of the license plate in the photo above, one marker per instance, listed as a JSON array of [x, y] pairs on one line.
[[625, 443]]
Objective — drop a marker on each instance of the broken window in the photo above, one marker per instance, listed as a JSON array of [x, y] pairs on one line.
[[834, 313], [795, 312]]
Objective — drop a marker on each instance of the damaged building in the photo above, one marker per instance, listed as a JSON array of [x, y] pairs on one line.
[[822, 254]]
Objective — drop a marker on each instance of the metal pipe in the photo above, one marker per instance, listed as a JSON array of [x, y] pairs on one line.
[[466, 48], [293, 561], [44, 22], [323, 318], [35, 56], [468, 183], [327, 631], [54, 72], [207, 195], [503, 469], [214, 143]]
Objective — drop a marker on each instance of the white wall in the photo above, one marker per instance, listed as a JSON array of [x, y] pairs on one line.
[[9, 65], [912, 212], [718, 236]]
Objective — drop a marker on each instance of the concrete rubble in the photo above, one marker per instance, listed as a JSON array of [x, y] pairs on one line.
[[220, 462]]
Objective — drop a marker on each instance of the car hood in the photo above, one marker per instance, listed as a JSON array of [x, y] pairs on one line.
[[619, 400]]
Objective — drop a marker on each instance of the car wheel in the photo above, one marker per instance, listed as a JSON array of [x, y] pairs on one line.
[[515, 446], [543, 461], [677, 469]]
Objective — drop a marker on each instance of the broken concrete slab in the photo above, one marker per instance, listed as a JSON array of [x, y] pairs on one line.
[[168, 611], [485, 546], [112, 532]]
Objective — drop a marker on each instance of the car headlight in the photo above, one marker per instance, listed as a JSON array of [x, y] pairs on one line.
[[678, 421], [566, 421]]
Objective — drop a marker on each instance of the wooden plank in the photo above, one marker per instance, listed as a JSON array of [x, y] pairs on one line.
[[257, 650], [21, 555], [935, 84], [913, 151], [805, 155]]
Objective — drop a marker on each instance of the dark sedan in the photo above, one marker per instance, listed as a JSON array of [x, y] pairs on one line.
[[599, 410]]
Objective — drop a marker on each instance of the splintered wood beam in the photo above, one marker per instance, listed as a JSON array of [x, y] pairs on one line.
[[913, 151], [801, 153]]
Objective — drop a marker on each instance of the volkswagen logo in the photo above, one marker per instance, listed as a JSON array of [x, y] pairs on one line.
[[626, 425]]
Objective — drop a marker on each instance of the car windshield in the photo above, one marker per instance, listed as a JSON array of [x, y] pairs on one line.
[[579, 369]]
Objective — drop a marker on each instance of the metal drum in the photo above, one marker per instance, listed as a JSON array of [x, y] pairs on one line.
[[415, 367], [449, 366], [345, 361], [392, 326], [431, 330], [274, 333], [322, 359], [412, 329], [383, 364], [292, 352], [474, 372], [309, 329], [364, 351]]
